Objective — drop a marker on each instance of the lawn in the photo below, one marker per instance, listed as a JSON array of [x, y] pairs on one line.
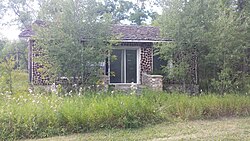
[[219, 129]]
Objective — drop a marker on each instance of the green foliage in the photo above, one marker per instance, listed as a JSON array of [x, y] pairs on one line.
[[6, 78], [37, 115], [7, 63], [12, 57], [213, 31], [205, 106], [23, 11], [15, 83], [119, 9], [140, 14], [72, 40], [122, 10]]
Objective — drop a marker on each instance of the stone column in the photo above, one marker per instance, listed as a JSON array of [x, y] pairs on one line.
[[153, 82]]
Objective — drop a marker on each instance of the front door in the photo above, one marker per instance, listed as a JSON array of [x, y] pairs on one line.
[[124, 66]]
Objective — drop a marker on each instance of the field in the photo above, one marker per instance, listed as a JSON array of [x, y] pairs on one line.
[[220, 129]]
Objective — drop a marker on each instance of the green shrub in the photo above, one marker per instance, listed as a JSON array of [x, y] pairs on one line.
[[19, 82]]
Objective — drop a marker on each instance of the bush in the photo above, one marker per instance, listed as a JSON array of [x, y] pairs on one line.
[[17, 83]]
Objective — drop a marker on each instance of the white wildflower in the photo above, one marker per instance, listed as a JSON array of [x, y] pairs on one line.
[[80, 91], [70, 93], [74, 85], [8, 93], [30, 90], [53, 88], [133, 88]]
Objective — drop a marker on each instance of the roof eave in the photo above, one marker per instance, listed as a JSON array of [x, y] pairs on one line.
[[143, 41]]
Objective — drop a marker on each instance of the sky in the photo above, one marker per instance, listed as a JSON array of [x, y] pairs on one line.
[[11, 31]]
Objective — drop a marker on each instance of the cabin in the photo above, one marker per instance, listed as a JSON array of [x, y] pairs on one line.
[[134, 63]]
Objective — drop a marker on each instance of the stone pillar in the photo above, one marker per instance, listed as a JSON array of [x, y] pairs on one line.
[[153, 82]]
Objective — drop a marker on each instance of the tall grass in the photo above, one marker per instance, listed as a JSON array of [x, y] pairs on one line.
[[38, 115], [182, 106], [19, 82]]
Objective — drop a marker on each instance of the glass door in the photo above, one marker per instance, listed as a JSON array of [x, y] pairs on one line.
[[131, 66], [123, 69], [116, 67]]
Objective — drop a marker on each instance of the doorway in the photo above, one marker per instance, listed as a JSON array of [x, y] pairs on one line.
[[125, 67]]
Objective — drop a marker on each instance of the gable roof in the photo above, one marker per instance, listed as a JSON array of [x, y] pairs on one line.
[[28, 32], [126, 33], [137, 33]]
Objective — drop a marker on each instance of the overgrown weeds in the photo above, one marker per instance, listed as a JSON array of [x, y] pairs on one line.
[[185, 107], [36, 115]]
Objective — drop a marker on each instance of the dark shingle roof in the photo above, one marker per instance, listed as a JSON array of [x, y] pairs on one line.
[[123, 32], [135, 32], [28, 32]]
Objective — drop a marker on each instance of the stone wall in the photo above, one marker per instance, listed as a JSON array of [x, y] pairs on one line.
[[146, 59], [37, 71], [153, 82]]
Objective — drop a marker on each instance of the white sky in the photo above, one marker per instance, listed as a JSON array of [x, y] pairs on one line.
[[11, 30]]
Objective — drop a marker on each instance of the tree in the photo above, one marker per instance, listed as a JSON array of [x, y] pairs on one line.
[[230, 45], [121, 10], [2, 44], [7, 64], [72, 39], [141, 13], [184, 22], [213, 31], [2, 9], [24, 12]]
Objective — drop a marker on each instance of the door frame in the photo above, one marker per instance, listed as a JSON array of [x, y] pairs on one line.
[[138, 68]]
